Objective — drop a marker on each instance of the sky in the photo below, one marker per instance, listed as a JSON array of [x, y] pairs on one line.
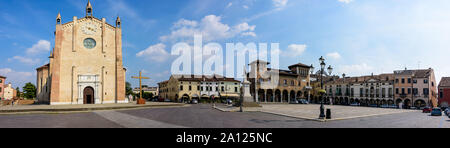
[[356, 37]]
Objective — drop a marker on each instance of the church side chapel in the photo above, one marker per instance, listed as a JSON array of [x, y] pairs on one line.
[[85, 65]]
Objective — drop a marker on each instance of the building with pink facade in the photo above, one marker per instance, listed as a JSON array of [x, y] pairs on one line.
[[2, 86]]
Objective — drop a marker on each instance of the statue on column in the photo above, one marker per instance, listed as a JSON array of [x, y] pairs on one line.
[[246, 98]]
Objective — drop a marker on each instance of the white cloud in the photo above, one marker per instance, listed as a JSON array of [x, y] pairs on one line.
[[40, 46], [295, 50], [229, 5], [162, 74], [24, 60], [334, 55], [210, 27], [18, 79], [345, 1], [156, 53], [280, 3], [357, 69], [252, 34], [245, 7]]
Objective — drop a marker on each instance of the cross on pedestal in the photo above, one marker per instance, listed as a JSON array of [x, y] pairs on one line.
[[141, 100]]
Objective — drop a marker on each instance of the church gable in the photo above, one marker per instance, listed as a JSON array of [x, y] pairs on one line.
[[86, 63]]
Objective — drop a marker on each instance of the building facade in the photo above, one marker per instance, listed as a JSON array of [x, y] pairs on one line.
[[2, 86], [444, 92], [153, 90], [416, 88], [9, 92], [85, 65], [374, 90], [403, 88], [186, 88], [276, 85]]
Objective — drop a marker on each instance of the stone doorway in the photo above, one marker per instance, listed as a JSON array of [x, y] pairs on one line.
[[88, 95]]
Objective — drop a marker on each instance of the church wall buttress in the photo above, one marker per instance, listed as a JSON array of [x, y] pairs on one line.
[[74, 34], [55, 73], [103, 35], [120, 76]]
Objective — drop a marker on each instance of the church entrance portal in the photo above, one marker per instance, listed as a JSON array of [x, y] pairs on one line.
[[89, 95]]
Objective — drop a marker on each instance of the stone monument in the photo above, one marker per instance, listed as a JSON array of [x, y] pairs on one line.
[[247, 97]]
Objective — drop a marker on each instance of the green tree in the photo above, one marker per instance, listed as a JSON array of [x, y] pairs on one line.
[[29, 91], [129, 90], [145, 95], [18, 92]]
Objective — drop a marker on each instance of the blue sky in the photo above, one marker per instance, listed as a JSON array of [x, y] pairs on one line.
[[358, 37]]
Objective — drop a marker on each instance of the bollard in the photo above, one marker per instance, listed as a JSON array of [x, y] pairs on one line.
[[328, 113]]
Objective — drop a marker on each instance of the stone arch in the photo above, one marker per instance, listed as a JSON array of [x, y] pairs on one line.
[[293, 96], [270, 96], [383, 102], [177, 98], [89, 95], [390, 102], [371, 102], [186, 98], [285, 96], [262, 95], [420, 103], [299, 94], [407, 103], [336, 101], [277, 95]]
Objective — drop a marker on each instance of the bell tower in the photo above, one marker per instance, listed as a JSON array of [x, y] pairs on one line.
[[118, 23], [58, 18], [89, 9]]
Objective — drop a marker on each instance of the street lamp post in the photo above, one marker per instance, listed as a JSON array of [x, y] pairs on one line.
[[330, 70]]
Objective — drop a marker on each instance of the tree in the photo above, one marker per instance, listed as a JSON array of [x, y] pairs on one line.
[[128, 89], [29, 91], [146, 95], [18, 92]]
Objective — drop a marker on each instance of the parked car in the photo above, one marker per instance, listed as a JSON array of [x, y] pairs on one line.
[[384, 106], [294, 102], [194, 101], [427, 110], [167, 100], [303, 101], [393, 106], [229, 102], [373, 105], [447, 111], [354, 104], [436, 112]]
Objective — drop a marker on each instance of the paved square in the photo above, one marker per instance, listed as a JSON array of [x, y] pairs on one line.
[[312, 112]]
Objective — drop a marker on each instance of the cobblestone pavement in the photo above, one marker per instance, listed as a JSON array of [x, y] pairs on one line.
[[204, 116], [338, 112]]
